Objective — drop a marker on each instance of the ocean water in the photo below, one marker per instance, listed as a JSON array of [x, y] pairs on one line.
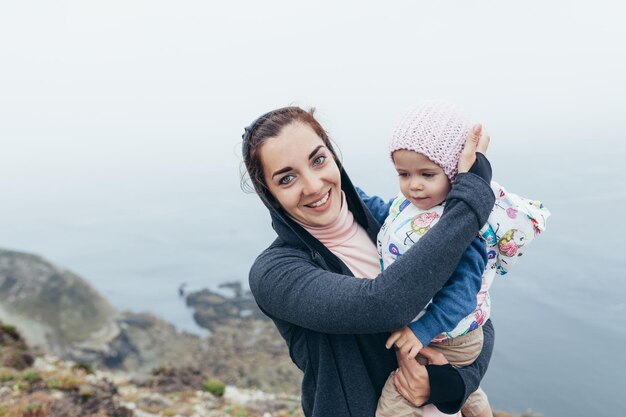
[[560, 316]]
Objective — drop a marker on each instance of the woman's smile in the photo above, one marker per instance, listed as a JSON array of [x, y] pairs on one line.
[[321, 204]]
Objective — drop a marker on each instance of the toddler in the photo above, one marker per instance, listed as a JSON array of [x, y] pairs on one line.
[[425, 148]]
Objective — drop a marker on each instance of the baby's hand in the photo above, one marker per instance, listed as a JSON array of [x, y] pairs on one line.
[[408, 344]]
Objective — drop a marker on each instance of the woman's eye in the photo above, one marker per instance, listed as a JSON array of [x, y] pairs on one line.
[[319, 160], [286, 180]]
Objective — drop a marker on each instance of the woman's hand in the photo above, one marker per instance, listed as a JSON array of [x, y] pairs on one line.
[[411, 379], [434, 357], [477, 141]]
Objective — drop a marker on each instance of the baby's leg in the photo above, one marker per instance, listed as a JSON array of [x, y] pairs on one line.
[[392, 404], [462, 351], [477, 405]]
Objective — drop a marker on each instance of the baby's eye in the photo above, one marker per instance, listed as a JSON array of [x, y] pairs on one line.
[[286, 180], [319, 160], [428, 174], [403, 174]]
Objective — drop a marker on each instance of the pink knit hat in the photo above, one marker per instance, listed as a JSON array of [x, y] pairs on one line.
[[435, 129]]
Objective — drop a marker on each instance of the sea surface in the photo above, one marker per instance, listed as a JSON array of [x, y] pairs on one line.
[[560, 315]]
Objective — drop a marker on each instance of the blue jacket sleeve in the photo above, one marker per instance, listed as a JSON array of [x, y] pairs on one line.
[[376, 205], [457, 298]]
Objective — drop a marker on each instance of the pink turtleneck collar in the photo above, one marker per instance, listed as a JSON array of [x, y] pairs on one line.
[[349, 242]]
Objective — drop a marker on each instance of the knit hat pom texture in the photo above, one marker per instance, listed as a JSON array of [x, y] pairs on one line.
[[435, 129]]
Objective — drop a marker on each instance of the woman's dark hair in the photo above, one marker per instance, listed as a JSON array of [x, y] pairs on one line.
[[268, 126]]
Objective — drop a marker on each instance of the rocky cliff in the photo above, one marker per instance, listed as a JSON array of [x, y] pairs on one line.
[[61, 313], [53, 306], [244, 348]]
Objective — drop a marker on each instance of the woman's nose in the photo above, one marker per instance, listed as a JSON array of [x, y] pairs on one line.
[[312, 184]]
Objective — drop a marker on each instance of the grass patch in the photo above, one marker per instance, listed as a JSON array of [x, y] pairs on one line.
[[30, 376], [10, 330], [8, 374], [214, 386], [88, 369], [63, 382]]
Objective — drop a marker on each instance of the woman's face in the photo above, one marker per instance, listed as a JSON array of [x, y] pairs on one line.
[[302, 175]]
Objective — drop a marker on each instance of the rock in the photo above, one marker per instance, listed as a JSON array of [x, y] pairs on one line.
[[45, 363], [143, 342], [14, 353], [245, 348], [244, 396], [60, 312], [171, 379], [251, 354], [212, 309], [53, 306], [153, 403], [13, 357]]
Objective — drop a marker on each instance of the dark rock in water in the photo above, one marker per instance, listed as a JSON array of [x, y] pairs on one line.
[[212, 309], [235, 286]]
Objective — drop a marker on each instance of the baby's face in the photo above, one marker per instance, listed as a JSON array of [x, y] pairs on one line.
[[421, 180]]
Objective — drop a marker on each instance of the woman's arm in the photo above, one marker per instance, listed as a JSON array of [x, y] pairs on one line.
[[288, 285]]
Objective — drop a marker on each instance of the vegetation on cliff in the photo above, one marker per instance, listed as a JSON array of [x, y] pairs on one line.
[[45, 386]]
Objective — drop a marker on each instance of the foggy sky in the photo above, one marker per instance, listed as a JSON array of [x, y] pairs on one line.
[[102, 103]]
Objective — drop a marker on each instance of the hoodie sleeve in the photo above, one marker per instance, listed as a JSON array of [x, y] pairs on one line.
[[288, 285]]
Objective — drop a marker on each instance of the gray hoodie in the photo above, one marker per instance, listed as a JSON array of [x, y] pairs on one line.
[[336, 325]]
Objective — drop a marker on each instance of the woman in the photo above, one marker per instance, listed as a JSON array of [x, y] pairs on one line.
[[336, 325]]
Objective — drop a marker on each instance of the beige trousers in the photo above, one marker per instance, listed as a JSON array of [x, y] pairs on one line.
[[460, 351]]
